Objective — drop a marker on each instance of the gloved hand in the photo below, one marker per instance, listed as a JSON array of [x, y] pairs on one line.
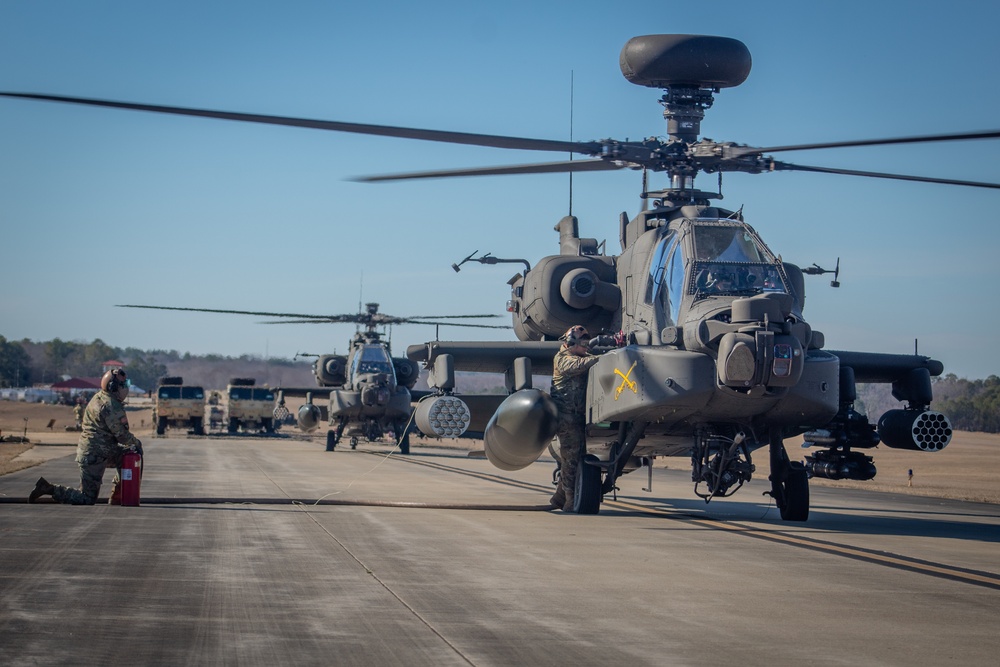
[[603, 341], [136, 448]]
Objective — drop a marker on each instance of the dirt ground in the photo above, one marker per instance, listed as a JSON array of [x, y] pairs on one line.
[[968, 469]]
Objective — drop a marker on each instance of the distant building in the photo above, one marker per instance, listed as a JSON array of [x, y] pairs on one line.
[[74, 387], [111, 365], [85, 384]]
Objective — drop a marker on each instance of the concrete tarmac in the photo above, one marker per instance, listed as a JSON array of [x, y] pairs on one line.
[[441, 559]]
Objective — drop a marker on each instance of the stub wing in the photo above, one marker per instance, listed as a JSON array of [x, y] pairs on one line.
[[302, 392], [487, 357], [886, 368]]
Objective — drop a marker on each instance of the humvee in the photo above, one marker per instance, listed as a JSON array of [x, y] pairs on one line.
[[249, 407], [179, 406]]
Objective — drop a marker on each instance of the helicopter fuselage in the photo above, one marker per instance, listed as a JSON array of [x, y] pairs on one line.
[[710, 358]]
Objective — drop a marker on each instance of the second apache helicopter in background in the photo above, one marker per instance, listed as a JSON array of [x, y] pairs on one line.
[[369, 390], [712, 357]]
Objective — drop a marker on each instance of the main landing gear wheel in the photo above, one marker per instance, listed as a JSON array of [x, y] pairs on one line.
[[789, 482], [354, 443], [331, 441], [796, 493], [587, 495]]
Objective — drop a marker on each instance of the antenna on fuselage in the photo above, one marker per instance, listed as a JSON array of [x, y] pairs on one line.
[[571, 139]]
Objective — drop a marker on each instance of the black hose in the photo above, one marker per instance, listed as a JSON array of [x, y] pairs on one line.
[[314, 502]]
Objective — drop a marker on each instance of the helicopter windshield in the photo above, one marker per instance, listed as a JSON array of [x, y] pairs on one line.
[[372, 359], [731, 259], [726, 243], [665, 284]]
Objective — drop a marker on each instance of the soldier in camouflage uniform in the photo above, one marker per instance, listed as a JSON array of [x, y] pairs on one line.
[[570, 368], [78, 413], [104, 441]]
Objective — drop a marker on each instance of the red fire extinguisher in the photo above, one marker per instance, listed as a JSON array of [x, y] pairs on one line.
[[131, 476]]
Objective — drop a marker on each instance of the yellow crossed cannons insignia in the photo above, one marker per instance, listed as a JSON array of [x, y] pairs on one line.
[[626, 382]]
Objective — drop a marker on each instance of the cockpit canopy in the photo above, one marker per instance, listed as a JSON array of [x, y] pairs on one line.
[[705, 258], [372, 359]]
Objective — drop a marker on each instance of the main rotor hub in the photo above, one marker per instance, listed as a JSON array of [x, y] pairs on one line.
[[683, 109], [690, 69]]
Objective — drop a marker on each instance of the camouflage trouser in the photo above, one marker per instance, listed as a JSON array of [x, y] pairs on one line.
[[91, 477], [572, 436]]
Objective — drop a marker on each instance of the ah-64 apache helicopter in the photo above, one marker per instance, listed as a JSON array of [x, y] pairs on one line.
[[716, 358], [369, 390]]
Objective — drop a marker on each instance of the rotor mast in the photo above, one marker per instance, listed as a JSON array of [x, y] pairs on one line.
[[684, 108], [689, 69]]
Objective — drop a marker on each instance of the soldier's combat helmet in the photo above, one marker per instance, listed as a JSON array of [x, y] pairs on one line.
[[115, 382]]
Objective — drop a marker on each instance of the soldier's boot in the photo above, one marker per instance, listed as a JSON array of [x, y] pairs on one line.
[[116, 493], [568, 485], [42, 488], [558, 498], [568, 505]]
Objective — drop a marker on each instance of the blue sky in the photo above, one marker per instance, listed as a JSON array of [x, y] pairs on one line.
[[100, 207]]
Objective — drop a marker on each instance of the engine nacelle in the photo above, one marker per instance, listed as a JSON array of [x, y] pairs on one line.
[[330, 370], [407, 372], [309, 417], [924, 430], [443, 416], [520, 429], [561, 291]]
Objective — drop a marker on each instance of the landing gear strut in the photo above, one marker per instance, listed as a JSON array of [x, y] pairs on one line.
[[402, 434], [333, 437]]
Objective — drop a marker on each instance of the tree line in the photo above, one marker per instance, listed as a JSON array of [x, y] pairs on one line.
[[26, 363]]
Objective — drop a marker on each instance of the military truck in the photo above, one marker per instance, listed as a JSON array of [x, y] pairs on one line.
[[249, 407], [179, 406]]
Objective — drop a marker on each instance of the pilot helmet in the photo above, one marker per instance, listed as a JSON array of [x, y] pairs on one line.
[[115, 382]]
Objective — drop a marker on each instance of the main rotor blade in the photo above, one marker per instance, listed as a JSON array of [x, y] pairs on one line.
[[450, 317], [539, 168], [394, 321], [460, 324], [961, 136], [228, 312], [353, 318], [785, 166], [494, 141]]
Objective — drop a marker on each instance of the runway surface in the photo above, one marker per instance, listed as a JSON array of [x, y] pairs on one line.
[[231, 561]]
